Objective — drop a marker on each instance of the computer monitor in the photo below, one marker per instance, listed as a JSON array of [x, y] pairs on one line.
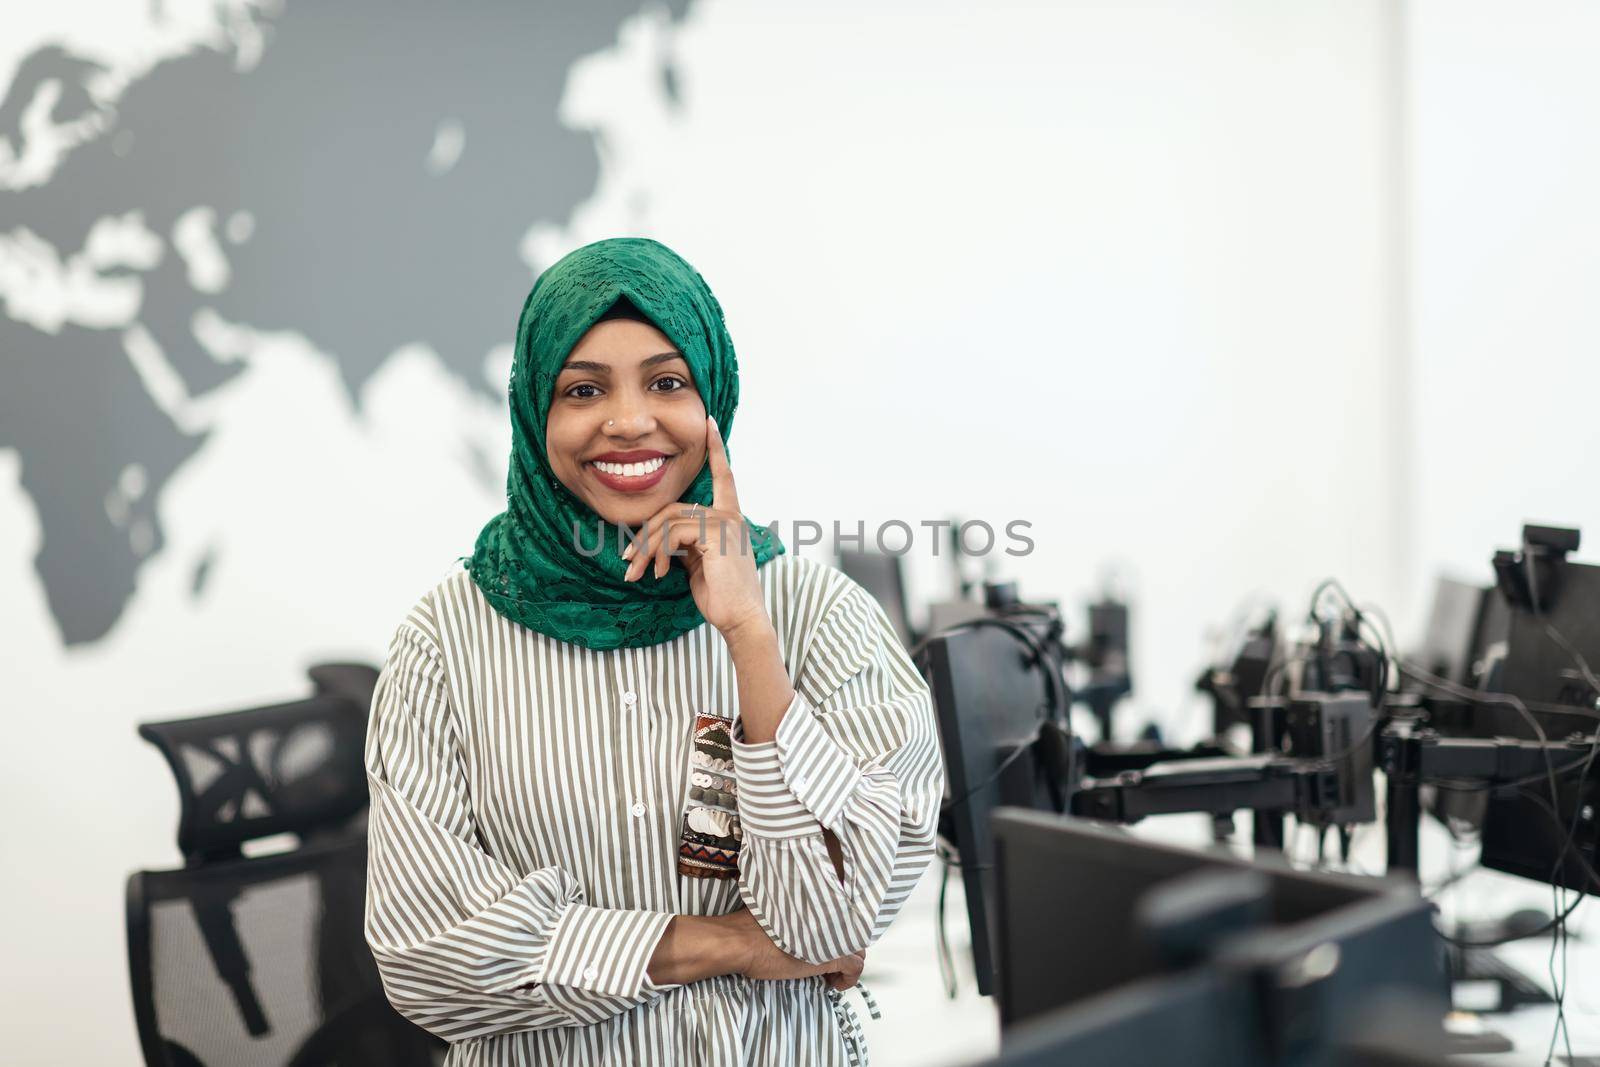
[[1536, 667], [1464, 637], [879, 573], [1125, 950], [943, 614], [991, 701], [1447, 645], [1514, 653], [1208, 1020], [1488, 649], [1479, 668], [1521, 834], [1106, 655]]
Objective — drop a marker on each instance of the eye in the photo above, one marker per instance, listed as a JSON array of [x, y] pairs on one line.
[[576, 393], [669, 383]]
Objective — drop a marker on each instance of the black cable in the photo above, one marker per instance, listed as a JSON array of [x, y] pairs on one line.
[[1577, 657], [1558, 984], [1003, 621], [1560, 938], [1044, 651], [1388, 631], [947, 967], [1380, 688], [1382, 646], [1382, 638], [1559, 987], [1561, 935], [1058, 706], [1451, 879], [1017, 753], [1274, 671], [1503, 699], [1449, 688], [1322, 587], [1583, 862], [1385, 657], [1560, 917], [1508, 700], [1479, 696], [1558, 924], [1375, 644], [1352, 747], [1058, 703], [1461, 942]]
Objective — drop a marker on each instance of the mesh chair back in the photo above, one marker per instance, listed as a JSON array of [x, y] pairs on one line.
[[261, 962], [354, 681], [247, 774]]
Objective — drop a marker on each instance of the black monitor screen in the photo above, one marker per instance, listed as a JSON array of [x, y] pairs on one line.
[[1448, 643], [990, 700], [1068, 896], [1488, 642], [1536, 667], [1523, 833]]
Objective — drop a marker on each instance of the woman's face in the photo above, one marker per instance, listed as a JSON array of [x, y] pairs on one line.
[[627, 429]]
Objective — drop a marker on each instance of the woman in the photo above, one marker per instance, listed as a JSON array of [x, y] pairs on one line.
[[639, 799]]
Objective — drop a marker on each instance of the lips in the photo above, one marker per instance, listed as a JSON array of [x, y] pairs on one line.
[[629, 472]]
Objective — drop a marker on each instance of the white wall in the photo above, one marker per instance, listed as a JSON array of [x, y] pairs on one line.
[[1122, 270], [1505, 202], [1116, 269]]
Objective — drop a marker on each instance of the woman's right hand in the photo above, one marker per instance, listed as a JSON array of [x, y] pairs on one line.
[[760, 959]]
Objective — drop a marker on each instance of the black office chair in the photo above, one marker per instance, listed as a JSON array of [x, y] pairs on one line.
[[879, 573], [240, 961], [355, 681]]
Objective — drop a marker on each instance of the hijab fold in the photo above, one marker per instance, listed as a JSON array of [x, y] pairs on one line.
[[536, 562]]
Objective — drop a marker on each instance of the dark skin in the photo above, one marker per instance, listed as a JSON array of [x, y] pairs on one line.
[[624, 389]]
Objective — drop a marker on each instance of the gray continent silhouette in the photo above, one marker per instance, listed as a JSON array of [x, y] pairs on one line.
[[355, 243]]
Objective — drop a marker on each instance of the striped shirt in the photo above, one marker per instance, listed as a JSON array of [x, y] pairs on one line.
[[540, 811]]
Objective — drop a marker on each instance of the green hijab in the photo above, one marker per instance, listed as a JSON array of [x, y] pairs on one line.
[[527, 560]]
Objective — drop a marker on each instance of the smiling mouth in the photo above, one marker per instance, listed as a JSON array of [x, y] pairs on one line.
[[630, 470]]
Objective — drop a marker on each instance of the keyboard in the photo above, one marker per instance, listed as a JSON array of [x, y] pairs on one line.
[[1515, 988]]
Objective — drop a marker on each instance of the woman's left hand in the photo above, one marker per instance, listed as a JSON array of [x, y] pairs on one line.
[[714, 546]]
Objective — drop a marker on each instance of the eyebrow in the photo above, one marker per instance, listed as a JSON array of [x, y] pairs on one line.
[[605, 368]]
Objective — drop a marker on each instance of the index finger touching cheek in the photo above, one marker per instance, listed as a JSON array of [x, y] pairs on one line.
[[723, 495]]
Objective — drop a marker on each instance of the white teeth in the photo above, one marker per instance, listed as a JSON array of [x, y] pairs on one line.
[[632, 470]]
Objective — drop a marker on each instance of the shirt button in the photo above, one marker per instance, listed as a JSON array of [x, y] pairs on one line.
[[591, 973], [801, 782], [638, 809], [630, 698]]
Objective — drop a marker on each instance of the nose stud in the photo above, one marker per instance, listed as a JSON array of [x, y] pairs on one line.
[[611, 422]]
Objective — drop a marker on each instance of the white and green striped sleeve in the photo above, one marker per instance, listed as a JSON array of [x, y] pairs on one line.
[[465, 945], [856, 753]]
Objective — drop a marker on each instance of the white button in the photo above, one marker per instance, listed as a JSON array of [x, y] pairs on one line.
[[637, 809], [591, 973], [801, 782], [630, 698]]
